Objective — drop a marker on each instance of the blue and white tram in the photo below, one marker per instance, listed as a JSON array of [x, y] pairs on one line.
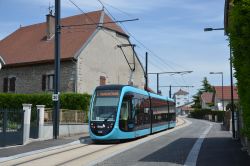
[[124, 112]]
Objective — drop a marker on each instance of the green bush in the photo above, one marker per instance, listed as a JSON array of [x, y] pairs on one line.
[[239, 31], [203, 113], [70, 101]]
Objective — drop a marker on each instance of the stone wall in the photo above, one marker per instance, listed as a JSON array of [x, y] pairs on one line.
[[29, 78]]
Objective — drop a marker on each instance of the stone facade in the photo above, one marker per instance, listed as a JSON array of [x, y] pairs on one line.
[[29, 78]]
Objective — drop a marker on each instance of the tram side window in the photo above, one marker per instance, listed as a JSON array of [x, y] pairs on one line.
[[126, 123], [173, 112], [124, 115], [142, 111], [160, 110]]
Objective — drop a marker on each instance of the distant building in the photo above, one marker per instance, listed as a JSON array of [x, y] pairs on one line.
[[226, 96], [181, 98], [185, 109], [91, 55], [207, 100]]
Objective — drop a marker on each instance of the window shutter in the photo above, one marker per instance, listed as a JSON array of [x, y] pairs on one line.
[[44, 82], [5, 84], [12, 84]]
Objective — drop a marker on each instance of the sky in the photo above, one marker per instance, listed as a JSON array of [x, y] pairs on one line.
[[171, 31]]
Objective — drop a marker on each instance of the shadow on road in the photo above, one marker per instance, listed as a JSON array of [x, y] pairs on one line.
[[176, 152]]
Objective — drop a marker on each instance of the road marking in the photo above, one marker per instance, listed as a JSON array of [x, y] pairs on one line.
[[193, 154]]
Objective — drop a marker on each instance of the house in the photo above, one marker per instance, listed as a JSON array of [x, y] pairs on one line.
[[226, 96], [93, 52], [181, 98], [185, 109], [207, 100]]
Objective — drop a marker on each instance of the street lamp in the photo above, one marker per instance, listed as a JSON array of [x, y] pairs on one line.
[[231, 80], [222, 87], [212, 29]]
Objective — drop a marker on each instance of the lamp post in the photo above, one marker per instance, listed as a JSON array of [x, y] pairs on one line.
[[231, 80], [222, 87]]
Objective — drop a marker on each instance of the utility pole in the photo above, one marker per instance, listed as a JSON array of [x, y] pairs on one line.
[[170, 88], [232, 95], [157, 90], [55, 96], [146, 72]]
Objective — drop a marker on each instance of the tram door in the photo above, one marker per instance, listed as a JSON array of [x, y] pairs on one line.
[[126, 120]]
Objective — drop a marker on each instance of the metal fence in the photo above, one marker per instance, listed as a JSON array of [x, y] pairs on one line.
[[11, 126]]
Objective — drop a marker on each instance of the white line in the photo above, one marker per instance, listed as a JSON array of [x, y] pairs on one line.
[[193, 154]]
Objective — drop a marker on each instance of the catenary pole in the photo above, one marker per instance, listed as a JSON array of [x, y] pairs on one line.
[[232, 95], [146, 72], [57, 71]]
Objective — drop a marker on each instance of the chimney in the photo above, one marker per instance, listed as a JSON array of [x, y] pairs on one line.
[[50, 24]]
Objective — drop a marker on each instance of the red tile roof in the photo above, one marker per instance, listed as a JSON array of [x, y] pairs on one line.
[[30, 45], [181, 92], [207, 97], [226, 92]]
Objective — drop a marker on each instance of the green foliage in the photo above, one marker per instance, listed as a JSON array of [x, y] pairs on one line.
[[206, 87], [239, 36], [203, 114], [71, 101]]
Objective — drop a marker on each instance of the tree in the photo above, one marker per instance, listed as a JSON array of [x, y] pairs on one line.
[[206, 87]]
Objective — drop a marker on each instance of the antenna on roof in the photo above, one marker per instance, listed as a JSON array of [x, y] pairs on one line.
[[103, 7], [50, 9]]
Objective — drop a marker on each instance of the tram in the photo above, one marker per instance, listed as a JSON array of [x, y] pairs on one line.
[[119, 112]]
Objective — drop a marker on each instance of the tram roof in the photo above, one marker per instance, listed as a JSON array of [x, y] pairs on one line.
[[119, 87]]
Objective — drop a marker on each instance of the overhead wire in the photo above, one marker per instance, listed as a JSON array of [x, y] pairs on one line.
[[158, 58], [117, 40]]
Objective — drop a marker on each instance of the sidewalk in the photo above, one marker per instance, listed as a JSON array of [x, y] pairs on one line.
[[40, 145], [219, 149]]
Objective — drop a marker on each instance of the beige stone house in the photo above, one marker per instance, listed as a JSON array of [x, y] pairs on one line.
[[91, 55]]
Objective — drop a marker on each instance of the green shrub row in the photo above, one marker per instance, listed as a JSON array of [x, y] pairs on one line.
[[239, 36], [203, 114], [71, 101]]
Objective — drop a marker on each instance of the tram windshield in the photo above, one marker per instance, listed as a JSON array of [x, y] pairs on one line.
[[105, 105]]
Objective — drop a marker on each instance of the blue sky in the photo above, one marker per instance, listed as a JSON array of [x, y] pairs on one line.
[[171, 29]]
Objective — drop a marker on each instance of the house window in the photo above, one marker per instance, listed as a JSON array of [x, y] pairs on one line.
[[48, 82], [102, 80], [9, 84]]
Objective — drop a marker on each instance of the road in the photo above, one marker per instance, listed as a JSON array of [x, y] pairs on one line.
[[178, 146]]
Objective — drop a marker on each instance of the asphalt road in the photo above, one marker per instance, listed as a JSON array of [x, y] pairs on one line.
[[170, 149], [196, 142]]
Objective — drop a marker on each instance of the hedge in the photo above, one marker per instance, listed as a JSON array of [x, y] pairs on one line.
[[239, 36], [71, 101], [202, 113]]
